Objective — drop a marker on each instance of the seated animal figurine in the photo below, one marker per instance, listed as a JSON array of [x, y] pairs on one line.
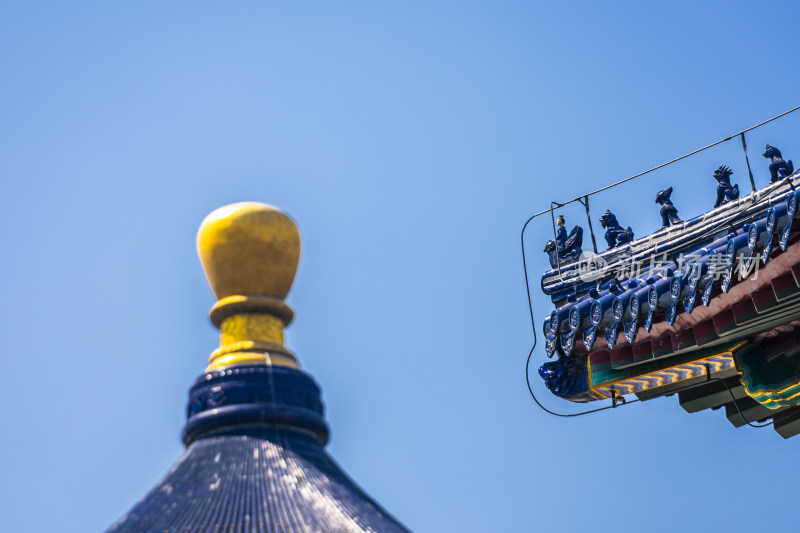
[[669, 213], [778, 168], [725, 191], [565, 248], [615, 234]]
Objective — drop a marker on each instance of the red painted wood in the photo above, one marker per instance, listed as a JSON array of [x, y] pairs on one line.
[[642, 351], [705, 332]]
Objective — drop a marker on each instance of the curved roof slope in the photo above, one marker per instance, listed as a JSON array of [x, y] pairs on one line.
[[275, 481]]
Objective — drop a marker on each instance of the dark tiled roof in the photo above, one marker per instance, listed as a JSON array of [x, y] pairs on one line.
[[255, 462], [272, 481], [690, 303], [700, 260]]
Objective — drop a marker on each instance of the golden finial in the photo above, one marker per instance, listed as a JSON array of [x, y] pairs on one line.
[[250, 252]]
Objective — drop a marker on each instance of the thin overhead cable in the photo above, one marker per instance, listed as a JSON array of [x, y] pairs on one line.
[[620, 182], [584, 200]]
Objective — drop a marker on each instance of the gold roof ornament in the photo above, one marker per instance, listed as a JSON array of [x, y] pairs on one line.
[[250, 253], [259, 417]]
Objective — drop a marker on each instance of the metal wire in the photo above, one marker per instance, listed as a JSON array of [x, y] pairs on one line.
[[583, 199], [615, 405], [565, 415], [662, 165]]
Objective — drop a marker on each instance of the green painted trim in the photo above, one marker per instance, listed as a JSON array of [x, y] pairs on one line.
[[775, 383]]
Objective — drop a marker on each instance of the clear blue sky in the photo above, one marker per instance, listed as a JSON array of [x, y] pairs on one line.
[[410, 140]]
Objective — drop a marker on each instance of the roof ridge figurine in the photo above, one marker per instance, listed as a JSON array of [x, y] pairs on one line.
[[615, 234], [725, 191], [566, 247], [778, 167], [716, 299], [669, 213]]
